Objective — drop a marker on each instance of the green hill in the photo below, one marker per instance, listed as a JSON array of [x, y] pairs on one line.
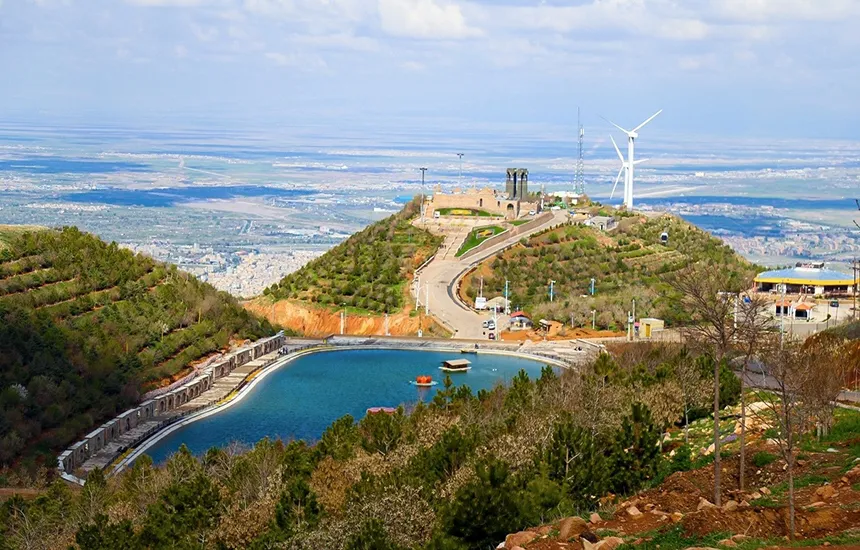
[[88, 326], [368, 271], [627, 263]]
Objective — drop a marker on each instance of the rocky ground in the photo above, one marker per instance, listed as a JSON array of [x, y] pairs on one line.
[[679, 513]]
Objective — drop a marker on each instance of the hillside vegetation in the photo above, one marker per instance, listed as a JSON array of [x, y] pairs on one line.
[[88, 326], [466, 470], [628, 263], [368, 271]]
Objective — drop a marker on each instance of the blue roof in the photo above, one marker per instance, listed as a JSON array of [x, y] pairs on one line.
[[805, 276]]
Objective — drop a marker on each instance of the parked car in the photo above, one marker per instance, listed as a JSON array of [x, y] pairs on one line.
[[491, 325], [485, 324]]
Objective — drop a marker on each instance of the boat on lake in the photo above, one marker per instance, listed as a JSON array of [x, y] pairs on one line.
[[456, 365]]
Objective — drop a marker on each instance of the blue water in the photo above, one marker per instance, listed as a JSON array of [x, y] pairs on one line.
[[299, 400], [775, 202], [170, 196], [58, 165]]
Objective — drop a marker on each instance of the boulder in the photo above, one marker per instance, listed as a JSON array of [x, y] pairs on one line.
[[730, 506], [825, 492], [764, 491], [728, 542], [676, 517], [755, 496], [610, 543], [595, 518], [818, 504], [571, 527], [744, 504], [705, 503], [633, 512], [519, 539], [740, 538]]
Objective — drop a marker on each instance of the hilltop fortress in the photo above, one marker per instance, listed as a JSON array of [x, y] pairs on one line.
[[513, 203]]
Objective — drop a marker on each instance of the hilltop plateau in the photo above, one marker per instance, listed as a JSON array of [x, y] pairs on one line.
[[626, 263], [88, 327]]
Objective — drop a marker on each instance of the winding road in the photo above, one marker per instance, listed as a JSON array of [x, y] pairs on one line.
[[444, 272]]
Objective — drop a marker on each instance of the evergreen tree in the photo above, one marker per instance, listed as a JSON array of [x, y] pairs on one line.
[[297, 509], [372, 536], [485, 510], [635, 453], [576, 460]]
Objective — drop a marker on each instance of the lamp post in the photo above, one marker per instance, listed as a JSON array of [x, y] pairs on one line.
[[593, 319], [460, 175], [423, 197]]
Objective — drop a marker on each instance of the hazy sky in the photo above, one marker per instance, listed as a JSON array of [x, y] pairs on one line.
[[719, 67]]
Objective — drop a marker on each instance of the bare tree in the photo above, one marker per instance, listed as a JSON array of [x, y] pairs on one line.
[[791, 371], [693, 388], [754, 328], [705, 294], [827, 380]]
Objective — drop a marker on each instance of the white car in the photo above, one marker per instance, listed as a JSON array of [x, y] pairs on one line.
[[532, 212]]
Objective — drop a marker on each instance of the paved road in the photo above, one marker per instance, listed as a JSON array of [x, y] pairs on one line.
[[445, 270]]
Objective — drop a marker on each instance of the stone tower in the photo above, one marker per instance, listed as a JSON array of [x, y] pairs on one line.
[[517, 184]]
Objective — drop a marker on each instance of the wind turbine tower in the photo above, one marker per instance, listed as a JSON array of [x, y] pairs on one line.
[[630, 163]]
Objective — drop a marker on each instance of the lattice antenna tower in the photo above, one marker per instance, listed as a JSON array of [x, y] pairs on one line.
[[579, 181]]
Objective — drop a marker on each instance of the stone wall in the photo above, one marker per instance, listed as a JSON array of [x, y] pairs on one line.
[[148, 411]]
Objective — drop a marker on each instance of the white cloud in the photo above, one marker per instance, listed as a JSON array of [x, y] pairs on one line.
[[426, 19], [786, 10], [296, 60], [158, 3]]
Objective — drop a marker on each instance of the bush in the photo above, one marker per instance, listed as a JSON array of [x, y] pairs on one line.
[[763, 458]]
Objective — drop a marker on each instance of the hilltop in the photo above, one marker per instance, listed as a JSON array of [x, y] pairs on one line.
[[367, 275], [89, 326], [627, 263]]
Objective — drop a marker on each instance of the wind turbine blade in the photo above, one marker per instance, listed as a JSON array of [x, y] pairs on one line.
[[617, 150], [616, 183], [617, 126], [640, 160], [647, 121]]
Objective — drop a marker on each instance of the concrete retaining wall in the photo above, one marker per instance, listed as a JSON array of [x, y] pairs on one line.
[[146, 413]]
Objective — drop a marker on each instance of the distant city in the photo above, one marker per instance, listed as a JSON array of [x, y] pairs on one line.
[[242, 212]]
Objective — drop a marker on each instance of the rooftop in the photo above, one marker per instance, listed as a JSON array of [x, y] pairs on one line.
[[806, 276]]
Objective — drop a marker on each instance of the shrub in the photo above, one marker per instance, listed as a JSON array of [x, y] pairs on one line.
[[763, 458]]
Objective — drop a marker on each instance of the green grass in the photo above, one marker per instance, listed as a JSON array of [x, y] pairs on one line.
[[477, 236], [517, 223], [800, 483], [472, 212]]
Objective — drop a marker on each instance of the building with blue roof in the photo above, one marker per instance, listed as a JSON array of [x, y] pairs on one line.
[[807, 279]]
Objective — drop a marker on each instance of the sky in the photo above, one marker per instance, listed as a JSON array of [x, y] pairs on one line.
[[746, 68]]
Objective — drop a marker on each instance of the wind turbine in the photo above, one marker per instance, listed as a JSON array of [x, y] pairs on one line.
[[630, 162]]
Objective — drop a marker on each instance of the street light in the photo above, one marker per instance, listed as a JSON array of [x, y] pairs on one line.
[[460, 175]]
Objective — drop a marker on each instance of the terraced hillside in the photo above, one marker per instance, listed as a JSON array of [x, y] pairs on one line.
[[367, 272], [87, 326], [628, 263]]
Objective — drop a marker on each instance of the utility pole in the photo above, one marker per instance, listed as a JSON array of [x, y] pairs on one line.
[[593, 319], [423, 197], [551, 288], [782, 315], [855, 267], [460, 175], [427, 300], [342, 319], [507, 300], [387, 332], [481, 291]]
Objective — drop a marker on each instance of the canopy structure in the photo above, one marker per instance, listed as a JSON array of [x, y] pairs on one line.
[[806, 280], [456, 364]]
